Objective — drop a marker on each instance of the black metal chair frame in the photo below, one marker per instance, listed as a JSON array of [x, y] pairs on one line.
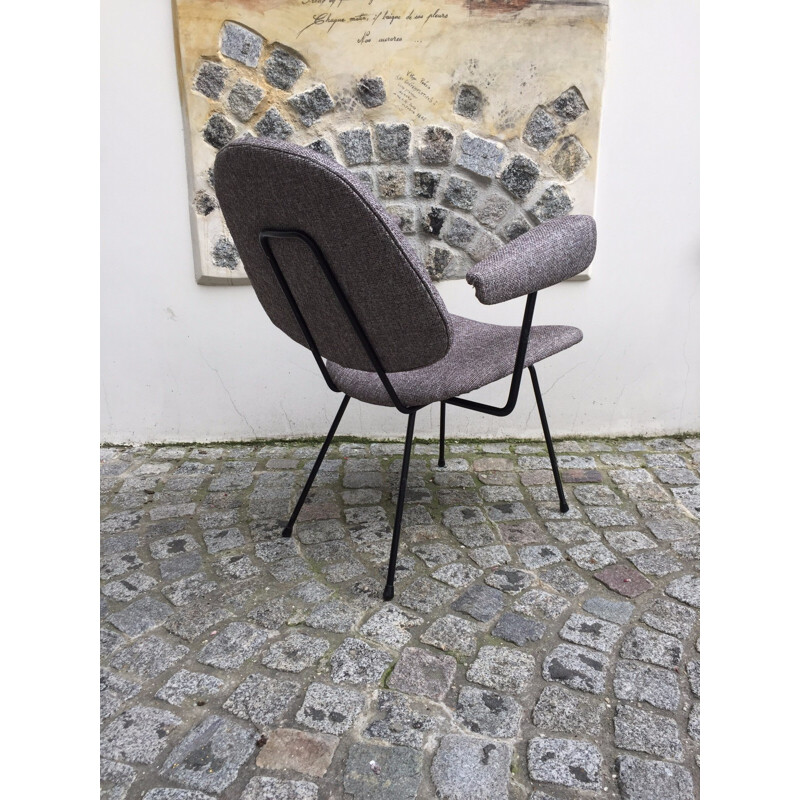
[[265, 237]]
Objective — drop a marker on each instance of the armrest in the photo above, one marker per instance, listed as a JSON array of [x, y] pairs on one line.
[[548, 254]]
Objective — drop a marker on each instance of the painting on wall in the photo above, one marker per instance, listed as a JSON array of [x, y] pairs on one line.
[[471, 121]]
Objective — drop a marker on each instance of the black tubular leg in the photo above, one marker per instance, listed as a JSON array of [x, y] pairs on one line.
[[388, 592], [550, 451], [441, 433], [287, 531]]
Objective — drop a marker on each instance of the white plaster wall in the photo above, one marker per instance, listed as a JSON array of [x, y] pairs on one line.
[[182, 362]]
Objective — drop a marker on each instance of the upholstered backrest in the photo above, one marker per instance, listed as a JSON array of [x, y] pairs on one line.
[[264, 183]]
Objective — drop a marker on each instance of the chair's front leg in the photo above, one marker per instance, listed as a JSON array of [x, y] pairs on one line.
[[550, 451], [441, 433], [287, 531], [388, 592]]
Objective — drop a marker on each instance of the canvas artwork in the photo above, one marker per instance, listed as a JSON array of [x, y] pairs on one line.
[[470, 120]]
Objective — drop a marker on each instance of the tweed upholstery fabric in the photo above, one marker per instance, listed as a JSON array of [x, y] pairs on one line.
[[550, 253], [480, 354], [265, 183]]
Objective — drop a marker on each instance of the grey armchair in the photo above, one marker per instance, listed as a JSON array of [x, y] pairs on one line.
[[334, 272]]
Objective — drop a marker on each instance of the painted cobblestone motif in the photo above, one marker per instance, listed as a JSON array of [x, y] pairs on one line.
[[515, 657], [493, 190]]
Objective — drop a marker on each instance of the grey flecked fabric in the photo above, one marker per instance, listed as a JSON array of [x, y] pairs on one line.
[[548, 254], [267, 183], [480, 353]]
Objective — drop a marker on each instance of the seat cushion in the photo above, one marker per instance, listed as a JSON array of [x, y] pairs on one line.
[[480, 354]]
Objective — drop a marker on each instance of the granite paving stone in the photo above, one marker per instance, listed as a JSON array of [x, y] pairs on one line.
[[508, 579], [685, 589], [219, 540], [591, 632], [577, 667], [467, 767], [536, 602], [645, 779], [296, 652], [490, 555], [185, 684], [176, 794], [113, 566], [375, 772], [518, 629], [652, 647], [114, 691], [539, 556], [129, 587], [262, 787], [565, 762], [618, 611], [693, 728], [355, 661], [452, 634], [648, 732], [457, 574], [480, 602], [564, 580], [591, 556], [148, 657], [192, 620], [488, 713], [334, 616], [645, 683], [627, 542], [401, 723], [180, 566], [389, 624], [424, 595], [234, 645], [669, 617], [116, 779], [560, 709], [137, 735], [572, 532], [261, 699], [507, 511], [596, 496], [609, 516], [474, 536], [424, 673], [210, 755], [656, 563], [330, 709], [693, 671], [502, 668]]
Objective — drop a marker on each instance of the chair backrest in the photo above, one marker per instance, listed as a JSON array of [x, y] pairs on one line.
[[269, 184]]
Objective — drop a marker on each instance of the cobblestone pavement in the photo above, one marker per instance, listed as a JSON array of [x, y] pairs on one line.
[[527, 654]]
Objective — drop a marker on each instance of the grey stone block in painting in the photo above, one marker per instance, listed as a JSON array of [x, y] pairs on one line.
[[241, 44], [282, 69]]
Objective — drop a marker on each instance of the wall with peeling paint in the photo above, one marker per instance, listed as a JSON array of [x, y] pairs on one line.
[[187, 362]]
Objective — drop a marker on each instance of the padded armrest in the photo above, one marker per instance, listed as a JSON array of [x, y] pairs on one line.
[[548, 254]]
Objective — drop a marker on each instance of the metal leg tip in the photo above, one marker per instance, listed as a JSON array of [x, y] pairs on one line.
[[564, 507], [441, 462], [388, 592], [287, 532]]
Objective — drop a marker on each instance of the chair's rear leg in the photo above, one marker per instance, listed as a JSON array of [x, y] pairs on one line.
[[441, 433], [388, 592], [287, 531], [550, 451]]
